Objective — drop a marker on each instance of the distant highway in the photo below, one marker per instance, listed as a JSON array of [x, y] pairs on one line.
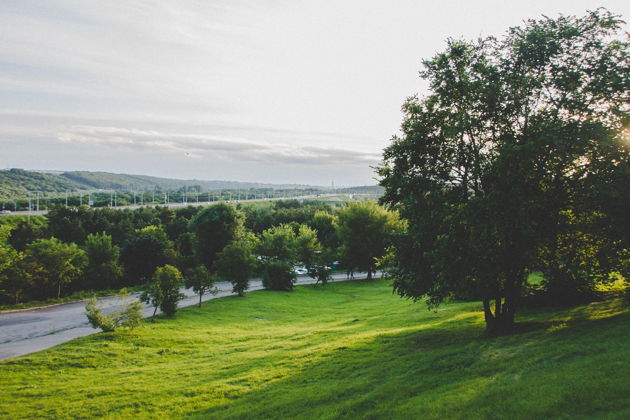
[[186, 204]]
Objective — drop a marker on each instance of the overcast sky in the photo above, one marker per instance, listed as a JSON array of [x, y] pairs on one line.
[[294, 91]]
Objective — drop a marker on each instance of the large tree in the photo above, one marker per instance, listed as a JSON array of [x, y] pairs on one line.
[[214, 227], [103, 270], [54, 264], [146, 250], [509, 137]]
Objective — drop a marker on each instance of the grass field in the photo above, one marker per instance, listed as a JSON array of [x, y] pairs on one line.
[[346, 350]]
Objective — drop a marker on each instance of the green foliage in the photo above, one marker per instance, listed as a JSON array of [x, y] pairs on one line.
[[351, 350], [289, 245], [325, 224], [306, 246], [128, 316], [365, 231], [103, 270], [147, 249], [14, 282], [237, 262], [278, 275], [262, 217], [583, 257], [320, 271], [513, 133], [201, 281], [53, 264], [214, 227], [278, 243], [20, 183], [27, 231], [164, 291]]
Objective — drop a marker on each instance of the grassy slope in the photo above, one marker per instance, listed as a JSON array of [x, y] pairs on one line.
[[349, 350]]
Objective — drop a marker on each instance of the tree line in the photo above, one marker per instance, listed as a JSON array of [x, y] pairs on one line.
[[83, 249]]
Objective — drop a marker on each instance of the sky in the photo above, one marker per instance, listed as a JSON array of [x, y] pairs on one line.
[[294, 91]]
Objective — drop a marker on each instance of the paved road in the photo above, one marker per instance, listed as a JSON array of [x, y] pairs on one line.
[[28, 331]]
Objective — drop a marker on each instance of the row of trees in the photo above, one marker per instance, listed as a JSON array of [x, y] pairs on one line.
[[518, 159], [96, 249]]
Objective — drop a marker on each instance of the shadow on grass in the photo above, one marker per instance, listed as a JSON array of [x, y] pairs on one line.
[[454, 370]]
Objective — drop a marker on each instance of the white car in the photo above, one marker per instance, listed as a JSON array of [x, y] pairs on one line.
[[300, 271]]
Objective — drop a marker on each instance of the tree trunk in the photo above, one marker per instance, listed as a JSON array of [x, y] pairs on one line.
[[59, 290], [369, 276], [487, 312], [200, 295], [503, 318]]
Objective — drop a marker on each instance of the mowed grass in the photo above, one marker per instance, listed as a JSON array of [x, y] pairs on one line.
[[347, 350]]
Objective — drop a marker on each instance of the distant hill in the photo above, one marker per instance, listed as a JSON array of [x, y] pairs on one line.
[[18, 183], [365, 189], [107, 181]]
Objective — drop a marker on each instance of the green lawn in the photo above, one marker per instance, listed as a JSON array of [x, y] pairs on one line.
[[346, 350]]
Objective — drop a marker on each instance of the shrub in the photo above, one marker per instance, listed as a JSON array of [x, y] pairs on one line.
[[278, 275], [128, 316]]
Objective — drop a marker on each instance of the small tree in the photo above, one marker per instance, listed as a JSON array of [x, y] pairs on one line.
[[164, 291], [201, 281], [129, 314], [319, 268], [236, 263]]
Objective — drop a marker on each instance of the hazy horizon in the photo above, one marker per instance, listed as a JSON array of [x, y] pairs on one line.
[[284, 92]]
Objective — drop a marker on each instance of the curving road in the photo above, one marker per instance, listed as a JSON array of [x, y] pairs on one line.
[[27, 331]]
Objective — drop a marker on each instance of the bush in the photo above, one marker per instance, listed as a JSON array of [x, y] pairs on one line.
[[278, 275], [128, 316]]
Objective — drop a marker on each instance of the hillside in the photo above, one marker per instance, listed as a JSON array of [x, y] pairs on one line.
[[364, 189], [344, 351], [106, 180], [18, 183]]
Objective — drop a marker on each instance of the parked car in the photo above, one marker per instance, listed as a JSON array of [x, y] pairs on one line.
[[300, 271], [5, 211]]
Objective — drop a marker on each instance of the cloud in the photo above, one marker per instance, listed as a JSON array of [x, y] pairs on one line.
[[229, 149]]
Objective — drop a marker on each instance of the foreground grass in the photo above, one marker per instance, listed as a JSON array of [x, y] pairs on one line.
[[347, 350]]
